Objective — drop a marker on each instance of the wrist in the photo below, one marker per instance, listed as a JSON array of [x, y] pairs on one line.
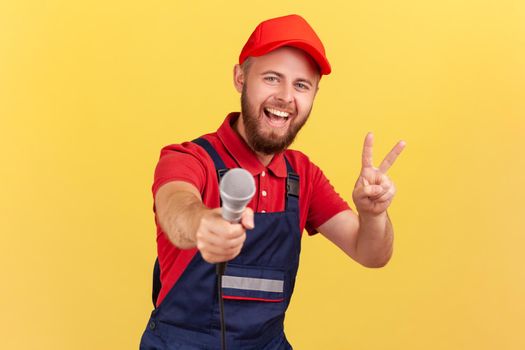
[[373, 226], [372, 217]]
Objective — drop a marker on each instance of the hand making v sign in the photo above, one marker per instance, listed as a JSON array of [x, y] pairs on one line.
[[374, 190]]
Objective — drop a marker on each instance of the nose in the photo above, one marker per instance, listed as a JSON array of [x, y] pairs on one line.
[[285, 93]]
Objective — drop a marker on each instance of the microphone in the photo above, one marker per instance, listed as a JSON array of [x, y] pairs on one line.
[[237, 188]]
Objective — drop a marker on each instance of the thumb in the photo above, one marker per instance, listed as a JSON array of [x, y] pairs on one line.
[[247, 219], [372, 190]]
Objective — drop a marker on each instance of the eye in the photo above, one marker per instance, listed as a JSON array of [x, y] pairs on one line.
[[302, 86], [271, 78]]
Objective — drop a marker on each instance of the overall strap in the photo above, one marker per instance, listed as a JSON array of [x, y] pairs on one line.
[[217, 160], [156, 283], [292, 188]]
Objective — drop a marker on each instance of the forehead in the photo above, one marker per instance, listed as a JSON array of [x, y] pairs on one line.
[[289, 61]]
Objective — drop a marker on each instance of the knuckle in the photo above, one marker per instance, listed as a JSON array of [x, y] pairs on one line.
[[226, 236], [235, 231], [199, 235]]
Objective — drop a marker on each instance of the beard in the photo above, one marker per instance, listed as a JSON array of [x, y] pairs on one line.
[[271, 143]]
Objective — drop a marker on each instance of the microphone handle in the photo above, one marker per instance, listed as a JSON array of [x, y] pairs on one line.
[[220, 267]]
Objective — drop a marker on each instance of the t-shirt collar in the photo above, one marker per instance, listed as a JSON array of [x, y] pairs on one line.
[[243, 154]]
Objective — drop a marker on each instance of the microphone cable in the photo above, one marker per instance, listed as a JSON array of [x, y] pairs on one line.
[[220, 267]]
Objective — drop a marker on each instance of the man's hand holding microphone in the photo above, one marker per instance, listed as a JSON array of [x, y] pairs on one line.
[[222, 231], [219, 240]]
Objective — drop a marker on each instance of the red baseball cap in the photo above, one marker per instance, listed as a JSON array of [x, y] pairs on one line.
[[291, 30]]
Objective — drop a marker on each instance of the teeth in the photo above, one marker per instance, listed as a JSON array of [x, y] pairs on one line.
[[278, 113]]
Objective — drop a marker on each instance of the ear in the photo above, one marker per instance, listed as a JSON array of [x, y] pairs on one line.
[[238, 77], [317, 85]]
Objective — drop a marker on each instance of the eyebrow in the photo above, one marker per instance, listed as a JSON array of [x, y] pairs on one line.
[[280, 75]]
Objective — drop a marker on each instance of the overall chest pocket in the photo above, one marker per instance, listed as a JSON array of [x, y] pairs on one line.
[[253, 283], [254, 299]]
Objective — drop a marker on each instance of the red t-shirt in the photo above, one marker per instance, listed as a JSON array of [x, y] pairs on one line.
[[189, 162]]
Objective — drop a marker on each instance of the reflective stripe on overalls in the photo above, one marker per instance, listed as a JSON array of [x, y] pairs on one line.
[[257, 286]]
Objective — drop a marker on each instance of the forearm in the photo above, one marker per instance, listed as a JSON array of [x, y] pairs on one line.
[[180, 218], [375, 239]]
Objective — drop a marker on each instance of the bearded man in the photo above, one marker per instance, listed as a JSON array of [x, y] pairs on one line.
[[278, 78]]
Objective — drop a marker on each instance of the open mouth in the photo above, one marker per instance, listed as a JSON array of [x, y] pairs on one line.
[[276, 118]]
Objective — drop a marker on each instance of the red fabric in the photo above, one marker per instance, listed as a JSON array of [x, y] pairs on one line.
[[252, 299], [291, 30], [189, 162]]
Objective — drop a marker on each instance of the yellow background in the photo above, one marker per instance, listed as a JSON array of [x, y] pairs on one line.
[[90, 91]]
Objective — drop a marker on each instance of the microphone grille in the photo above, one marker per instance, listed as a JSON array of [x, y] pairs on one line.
[[237, 183]]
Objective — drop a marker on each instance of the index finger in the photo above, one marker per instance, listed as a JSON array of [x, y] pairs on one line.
[[366, 159], [391, 157]]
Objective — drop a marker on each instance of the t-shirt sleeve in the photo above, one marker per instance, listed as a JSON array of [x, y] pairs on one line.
[[179, 163], [325, 201]]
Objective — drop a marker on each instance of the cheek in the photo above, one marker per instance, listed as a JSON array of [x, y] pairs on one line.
[[304, 103], [258, 92], [257, 98]]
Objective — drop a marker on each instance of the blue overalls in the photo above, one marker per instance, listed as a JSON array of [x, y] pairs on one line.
[[257, 287]]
